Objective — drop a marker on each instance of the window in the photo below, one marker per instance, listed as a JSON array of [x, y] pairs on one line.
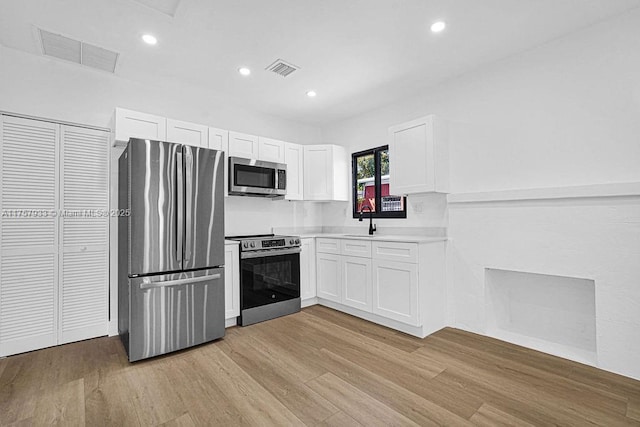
[[370, 180]]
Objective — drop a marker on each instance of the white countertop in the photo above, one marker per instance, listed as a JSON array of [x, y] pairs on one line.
[[380, 237], [231, 242]]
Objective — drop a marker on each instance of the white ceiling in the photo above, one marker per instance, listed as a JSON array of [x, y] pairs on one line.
[[356, 54]]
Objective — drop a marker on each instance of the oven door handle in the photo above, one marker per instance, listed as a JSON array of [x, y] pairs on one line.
[[261, 254]]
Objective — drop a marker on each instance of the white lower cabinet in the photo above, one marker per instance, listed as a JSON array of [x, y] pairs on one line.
[[356, 282], [231, 281], [398, 284], [395, 291], [345, 279], [307, 269], [329, 276]]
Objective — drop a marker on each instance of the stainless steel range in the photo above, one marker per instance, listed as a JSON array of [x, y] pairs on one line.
[[269, 277]]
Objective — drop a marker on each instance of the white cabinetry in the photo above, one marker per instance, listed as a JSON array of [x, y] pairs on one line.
[[419, 156], [345, 279], [395, 291], [329, 276], [326, 173], [219, 140], [293, 158], [187, 133], [231, 282], [398, 284], [271, 150], [356, 282], [134, 124], [243, 145], [53, 268], [308, 271]]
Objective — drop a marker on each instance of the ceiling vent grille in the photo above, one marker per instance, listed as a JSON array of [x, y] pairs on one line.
[[68, 49], [282, 68]]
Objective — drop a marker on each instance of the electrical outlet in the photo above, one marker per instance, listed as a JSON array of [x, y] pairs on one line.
[[418, 207]]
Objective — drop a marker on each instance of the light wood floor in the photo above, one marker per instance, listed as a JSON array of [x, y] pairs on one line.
[[317, 367]]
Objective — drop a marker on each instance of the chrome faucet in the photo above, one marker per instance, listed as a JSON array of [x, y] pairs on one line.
[[372, 226]]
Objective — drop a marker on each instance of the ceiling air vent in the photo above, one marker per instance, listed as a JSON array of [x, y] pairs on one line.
[[68, 49], [282, 68]]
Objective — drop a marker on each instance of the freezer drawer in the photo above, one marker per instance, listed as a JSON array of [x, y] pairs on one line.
[[174, 311]]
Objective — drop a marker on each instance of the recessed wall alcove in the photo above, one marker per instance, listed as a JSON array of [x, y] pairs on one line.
[[553, 314]]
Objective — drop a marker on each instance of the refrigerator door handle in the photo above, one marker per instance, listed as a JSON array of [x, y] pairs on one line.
[[178, 282], [180, 206], [188, 177]]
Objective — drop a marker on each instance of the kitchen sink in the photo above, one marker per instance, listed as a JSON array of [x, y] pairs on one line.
[[360, 235]]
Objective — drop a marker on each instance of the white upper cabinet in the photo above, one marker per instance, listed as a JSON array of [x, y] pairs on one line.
[[271, 150], [187, 133], [218, 139], [243, 145], [418, 157], [134, 124], [294, 159], [326, 173]]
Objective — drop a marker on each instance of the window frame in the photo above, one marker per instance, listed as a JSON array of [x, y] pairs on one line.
[[378, 185]]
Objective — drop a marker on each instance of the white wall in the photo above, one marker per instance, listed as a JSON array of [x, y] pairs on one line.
[[49, 88], [565, 113]]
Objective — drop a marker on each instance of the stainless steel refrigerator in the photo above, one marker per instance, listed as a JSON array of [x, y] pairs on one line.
[[170, 247]]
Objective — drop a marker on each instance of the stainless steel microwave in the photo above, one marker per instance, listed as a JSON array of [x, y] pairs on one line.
[[257, 178]]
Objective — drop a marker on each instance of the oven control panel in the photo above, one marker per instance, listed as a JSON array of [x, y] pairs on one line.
[[273, 243], [270, 242]]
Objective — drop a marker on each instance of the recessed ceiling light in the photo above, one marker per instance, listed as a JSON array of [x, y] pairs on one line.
[[436, 27], [149, 39], [311, 93], [244, 71]]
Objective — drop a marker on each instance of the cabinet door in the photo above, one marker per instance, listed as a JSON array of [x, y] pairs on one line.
[[84, 265], [29, 243], [308, 268], [356, 282], [395, 291], [134, 124], [293, 157], [187, 133], [419, 157], [219, 140], [329, 277], [271, 150], [243, 145], [231, 281], [318, 172]]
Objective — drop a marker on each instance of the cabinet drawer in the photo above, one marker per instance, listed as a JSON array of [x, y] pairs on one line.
[[360, 248], [396, 251], [328, 246]]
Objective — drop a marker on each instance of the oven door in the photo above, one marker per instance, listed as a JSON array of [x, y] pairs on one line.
[[269, 277]]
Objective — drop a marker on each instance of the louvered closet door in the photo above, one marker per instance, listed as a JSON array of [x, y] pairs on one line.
[[84, 266], [28, 235]]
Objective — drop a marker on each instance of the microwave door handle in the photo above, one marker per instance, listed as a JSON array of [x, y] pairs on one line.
[[180, 205], [188, 181]]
